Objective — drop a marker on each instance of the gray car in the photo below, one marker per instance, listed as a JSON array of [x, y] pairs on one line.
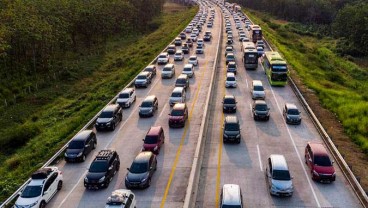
[[278, 176], [260, 110], [231, 130], [291, 114]]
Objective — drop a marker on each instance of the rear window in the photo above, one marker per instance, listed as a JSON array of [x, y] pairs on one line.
[[123, 95]]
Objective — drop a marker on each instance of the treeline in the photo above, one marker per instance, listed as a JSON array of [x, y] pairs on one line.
[[36, 34], [345, 19]]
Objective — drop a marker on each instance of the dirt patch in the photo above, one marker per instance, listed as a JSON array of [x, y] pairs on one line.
[[173, 7], [350, 151]]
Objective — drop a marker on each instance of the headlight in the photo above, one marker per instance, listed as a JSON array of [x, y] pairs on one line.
[[86, 179], [315, 173], [101, 179], [238, 136], [33, 204], [126, 179], [79, 154], [288, 117], [273, 187], [334, 174], [155, 148], [108, 123], [144, 180], [66, 155], [150, 110], [226, 136]]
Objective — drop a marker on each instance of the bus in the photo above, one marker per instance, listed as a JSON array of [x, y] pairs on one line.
[[276, 68], [255, 33], [247, 45], [250, 58]]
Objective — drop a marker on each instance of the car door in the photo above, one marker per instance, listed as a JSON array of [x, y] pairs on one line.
[[309, 157], [88, 145], [47, 193], [269, 173]]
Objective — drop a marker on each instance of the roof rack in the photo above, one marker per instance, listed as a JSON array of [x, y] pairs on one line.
[[104, 154], [117, 198], [41, 173]]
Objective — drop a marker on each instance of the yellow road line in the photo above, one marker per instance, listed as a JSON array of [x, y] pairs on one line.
[[173, 168]]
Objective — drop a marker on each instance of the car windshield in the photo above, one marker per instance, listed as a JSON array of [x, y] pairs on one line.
[[229, 101], [177, 112], [146, 104], [98, 167], [141, 77], [162, 56], [76, 145], [176, 94], [261, 107], [230, 79], [258, 88], [106, 114], [282, 175], [230, 57], [150, 140], [187, 69], [229, 49], [178, 54], [181, 81], [31, 191], [322, 161], [167, 69], [231, 127], [293, 112], [138, 167], [192, 58], [231, 66], [149, 69], [230, 206], [124, 95]]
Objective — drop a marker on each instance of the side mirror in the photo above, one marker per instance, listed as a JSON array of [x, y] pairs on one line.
[[128, 169], [87, 145], [310, 160], [46, 192], [268, 108], [19, 193], [142, 139], [110, 168], [151, 168], [169, 114], [333, 162]]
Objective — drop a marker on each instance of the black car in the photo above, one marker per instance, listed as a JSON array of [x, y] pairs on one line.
[[185, 48], [291, 114], [148, 107], [260, 110], [231, 67], [152, 69], [141, 171], [110, 116], [171, 49], [207, 38], [183, 36], [229, 104], [80, 146], [102, 170], [231, 130], [189, 42]]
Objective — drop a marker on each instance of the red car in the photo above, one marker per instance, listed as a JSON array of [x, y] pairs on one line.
[[178, 115], [154, 139], [317, 159]]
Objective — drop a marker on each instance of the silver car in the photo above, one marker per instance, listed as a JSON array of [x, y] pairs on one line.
[[258, 90], [188, 70], [168, 71], [278, 176]]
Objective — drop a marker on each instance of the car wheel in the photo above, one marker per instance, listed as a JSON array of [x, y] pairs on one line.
[[113, 127], [94, 145], [117, 167], [83, 157], [43, 204], [60, 185], [149, 182]]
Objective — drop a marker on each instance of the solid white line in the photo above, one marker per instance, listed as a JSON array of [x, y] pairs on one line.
[[259, 158], [163, 110], [250, 107], [246, 81]]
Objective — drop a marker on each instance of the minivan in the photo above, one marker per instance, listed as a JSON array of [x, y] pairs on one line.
[[154, 139], [230, 80], [177, 96], [257, 90], [80, 146], [278, 176], [231, 196], [231, 132], [317, 159], [126, 97], [182, 81]]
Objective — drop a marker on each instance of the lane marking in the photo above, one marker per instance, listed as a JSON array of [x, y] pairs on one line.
[[163, 109], [259, 158], [246, 81]]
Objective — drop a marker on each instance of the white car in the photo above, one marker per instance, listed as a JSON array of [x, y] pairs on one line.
[[195, 31], [43, 186], [188, 29], [163, 58], [193, 37], [193, 60], [188, 70], [179, 55], [257, 90], [168, 71], [121, 198], [126, 97], [230, 80]]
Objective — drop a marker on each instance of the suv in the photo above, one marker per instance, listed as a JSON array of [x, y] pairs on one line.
[[317, 159], [171, 49], [229, 103], [261, 110], [188, 70], [231, 67], [258, 90], [43, 186], [177, 96], [154, 139], [80, 146], [182, 81], [110, 116], [148, 107], [143, 79], [126, 97], [231, 130], [141, 171], [152, 69], [102, 169], [121, 198], [163, 58], [168, 71], [231, 196], [179, 55], [177, 41], [178, 115], [291, 114], [278, 176]]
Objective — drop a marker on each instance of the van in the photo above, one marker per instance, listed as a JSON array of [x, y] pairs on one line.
[[257, 90], [231, 196], [230, 80], [182, 81], [278, 176], [154, 139], [177, 96]]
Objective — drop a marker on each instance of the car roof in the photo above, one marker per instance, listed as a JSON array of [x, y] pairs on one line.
[[291, 106], [231, 194], [260, 102], [178, 89], [318, 148], [143, 156], [169, 65], [257, 82], [179, 106], [81, 136], [127, 90], [110, 107], [179, 51], [149, 98], [145, 73], [278, 162], [154, 130], [229, 97], [182, 76], [164, 53], [193, 57], [231, 119], [150, 66], [232, 63], [230, 54], [188, 65], [230, 74]]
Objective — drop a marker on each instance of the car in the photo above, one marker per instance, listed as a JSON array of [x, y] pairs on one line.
[[207, 38], [126, 97], [209, 24], [260, 110], [109, 117], [229, 49], [257, 90], [154, 139], [177, 41], [320, 164], [44, 184], [229, 104], [260, 51], [178, 95], [200, 42], [179, 55], [188, 29], [143, 79], [227, 29], [183, 36], [152, 69], [199, 49], [278, 176], [141, 171], [231, 67], [188, 70], [231, 130], [241, 37], [163, 58], [291, 114], [230, 57], [260, 43], [148, 106], [185, 48], [171, 49], [121, 198], [189, 42], [193, 60], [229, 41], [182, 81], [230, 80], [80, 146], [178, 115], [231, 196], [195, 31], [193, 37], [102, 169], [168, 71]]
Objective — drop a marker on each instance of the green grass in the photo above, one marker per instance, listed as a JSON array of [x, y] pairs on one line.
[[340, 84], [42, 123]]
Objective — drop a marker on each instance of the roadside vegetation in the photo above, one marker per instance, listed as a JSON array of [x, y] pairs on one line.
[[53, 103]]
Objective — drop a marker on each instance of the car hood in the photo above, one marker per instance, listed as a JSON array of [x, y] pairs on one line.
[[282, 185], [103, 120], [95, 176], [232, 133], [324, 169], [140, 80], [294, 117], [26, 201], [145, 109], [122, 100], [136, 177], [261, 112], [73, 151]]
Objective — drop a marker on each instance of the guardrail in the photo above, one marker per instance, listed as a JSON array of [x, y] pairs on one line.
[[192, 188], [85, 127], [349, 175]]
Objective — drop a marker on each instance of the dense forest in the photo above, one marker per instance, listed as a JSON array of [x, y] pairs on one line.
[[37, 35], [344, 19]]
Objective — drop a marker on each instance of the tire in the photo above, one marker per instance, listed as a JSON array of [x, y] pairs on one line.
[[118, 167], [43, 204], [83, 157], [149, 182], [94, 145], [113, 127], [60, 185]]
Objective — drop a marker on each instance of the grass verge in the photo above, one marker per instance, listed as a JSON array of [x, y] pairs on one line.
[[51, 116]]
